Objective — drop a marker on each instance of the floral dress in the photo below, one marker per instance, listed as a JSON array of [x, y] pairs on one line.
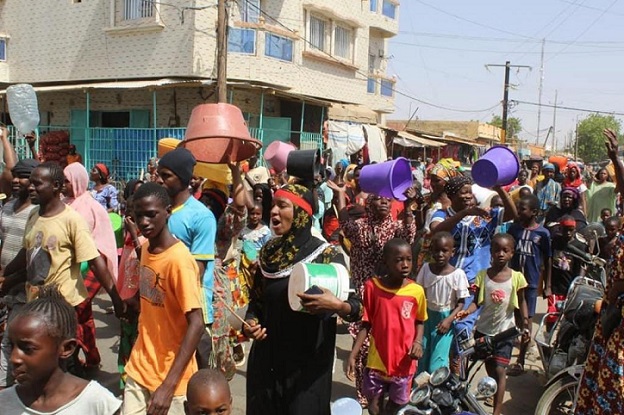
[[602, 385]]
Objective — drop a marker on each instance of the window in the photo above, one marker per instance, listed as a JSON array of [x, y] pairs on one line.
[[242, 40], [387, 88], [250, 10], [317, 33], [3, 43], [342, 42], [389, 9], [373, 6], [371, 86], [278, 47], [138, 9]]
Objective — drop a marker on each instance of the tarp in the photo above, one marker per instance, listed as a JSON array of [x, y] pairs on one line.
[[376, 143], [344, 138]]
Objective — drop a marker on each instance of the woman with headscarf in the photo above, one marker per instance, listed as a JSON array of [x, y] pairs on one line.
[[547, 191], [601, 194], [569, 205], [291, 360], [574, 179], [98, 221], [472, 228], [263, 194], [367, 236], [103, 192]]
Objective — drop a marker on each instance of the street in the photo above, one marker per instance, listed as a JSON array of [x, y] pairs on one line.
[[521, 398]]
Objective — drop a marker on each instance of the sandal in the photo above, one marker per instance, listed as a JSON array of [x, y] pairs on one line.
[[515, 369]]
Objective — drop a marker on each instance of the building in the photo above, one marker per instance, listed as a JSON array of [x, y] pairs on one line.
[[138, 67]]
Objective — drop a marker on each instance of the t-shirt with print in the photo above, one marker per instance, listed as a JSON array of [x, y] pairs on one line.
[[169, 289], [195, 225], [94, 399], [392, 314], [55, 247], [473, 236], [532, 249], [443, 291], [497, 300], [565, 267], [12, 228]]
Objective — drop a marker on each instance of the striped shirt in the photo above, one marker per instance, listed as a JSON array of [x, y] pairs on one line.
[[12, 228]]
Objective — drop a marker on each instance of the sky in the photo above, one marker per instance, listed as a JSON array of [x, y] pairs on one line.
[[440, 54]]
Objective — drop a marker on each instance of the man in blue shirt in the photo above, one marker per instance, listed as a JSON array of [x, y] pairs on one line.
[[195, 225]]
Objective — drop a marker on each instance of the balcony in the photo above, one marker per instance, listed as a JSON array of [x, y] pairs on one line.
[[384, 18]]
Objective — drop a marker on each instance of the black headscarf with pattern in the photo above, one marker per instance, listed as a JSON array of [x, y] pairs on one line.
[[296, 244]]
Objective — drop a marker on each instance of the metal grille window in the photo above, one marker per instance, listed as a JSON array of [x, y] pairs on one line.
[[278, 47], [342, 42], [138, 9], [250, 10], [317, 33], [3, 43]]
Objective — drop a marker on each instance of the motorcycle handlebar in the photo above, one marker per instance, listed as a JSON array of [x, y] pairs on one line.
[[506, 335]]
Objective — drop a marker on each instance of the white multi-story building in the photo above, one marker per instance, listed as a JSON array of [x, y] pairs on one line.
[[138, 67]]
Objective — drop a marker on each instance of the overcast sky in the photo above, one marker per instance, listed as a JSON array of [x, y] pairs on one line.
[[440, 54]]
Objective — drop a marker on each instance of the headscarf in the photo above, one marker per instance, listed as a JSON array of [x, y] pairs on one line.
[[445, 169], [95, 215], [103, 170], [455, 184], [548, 166], [575, 195], [267, 200], [578, 181], [296, 245], [219, 198]]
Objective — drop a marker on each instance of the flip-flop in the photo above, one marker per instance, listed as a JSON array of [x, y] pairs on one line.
[[515, 369]]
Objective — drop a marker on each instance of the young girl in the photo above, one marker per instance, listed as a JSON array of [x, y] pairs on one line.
[[42, 334], [446, 287], [499, 294], [256, 234]]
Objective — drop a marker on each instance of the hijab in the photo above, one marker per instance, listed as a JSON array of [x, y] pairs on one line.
[[445, 169], [280, 254], [95, 215], [578, 181]]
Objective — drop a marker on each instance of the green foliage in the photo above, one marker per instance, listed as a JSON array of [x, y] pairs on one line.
[[591, 147], [514, 125]]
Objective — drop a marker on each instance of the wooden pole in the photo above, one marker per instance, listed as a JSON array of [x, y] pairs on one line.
[[222, 22]]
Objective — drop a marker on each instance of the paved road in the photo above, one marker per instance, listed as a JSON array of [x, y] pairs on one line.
[[521, 397]]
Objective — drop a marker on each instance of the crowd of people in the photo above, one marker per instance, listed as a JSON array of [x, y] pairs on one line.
[[203, 268]]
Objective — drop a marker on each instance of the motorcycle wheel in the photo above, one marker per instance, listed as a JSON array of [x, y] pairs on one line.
[[559, 398]]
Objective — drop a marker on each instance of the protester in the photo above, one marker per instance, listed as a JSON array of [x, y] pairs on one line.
[[43, 336], [262, 193], [602, 385], [601, 195], [608, 242], [104, 192], [99, 224], [446, 289], [394, 313], [290, 364], [570, 206], [574, 179], [367, 236], [499, 295], [73, 156], [171, 322], [195, 186], [532, 254], [547, 191], [208, 393]]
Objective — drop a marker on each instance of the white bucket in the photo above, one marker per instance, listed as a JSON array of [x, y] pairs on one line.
[[483, 195], [333, 277]]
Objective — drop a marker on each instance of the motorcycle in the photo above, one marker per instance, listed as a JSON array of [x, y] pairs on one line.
[[564, 348], [445, 393]]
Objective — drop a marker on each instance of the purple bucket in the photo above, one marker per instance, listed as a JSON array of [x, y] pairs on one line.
[[497, 167], [388, 179]]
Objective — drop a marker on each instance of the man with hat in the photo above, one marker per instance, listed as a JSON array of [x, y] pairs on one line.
[[13, 217], [547, 191], [195, 225]]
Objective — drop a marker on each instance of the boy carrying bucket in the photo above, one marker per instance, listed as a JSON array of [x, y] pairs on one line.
[[394, 313]]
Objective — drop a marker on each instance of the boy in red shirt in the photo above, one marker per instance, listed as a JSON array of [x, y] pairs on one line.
[[394, 312]]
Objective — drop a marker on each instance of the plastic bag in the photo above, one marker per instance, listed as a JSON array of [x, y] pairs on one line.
[[23, 107]]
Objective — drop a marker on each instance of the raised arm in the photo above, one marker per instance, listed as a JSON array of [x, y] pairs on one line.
[[612, 152]]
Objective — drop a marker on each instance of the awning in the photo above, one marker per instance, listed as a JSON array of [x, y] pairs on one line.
[[455, 139], [420, 140], [137, 84]]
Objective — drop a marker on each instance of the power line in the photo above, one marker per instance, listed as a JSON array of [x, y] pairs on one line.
[[594, 8], [559, 107], [584, 52], [366, 75]]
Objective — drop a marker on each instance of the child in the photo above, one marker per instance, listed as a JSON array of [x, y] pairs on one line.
[[446, 287], [42, 334], [499, 294], [608, 242], [532, 252], [604, 215], [208, 392], [171, 321], [394, 313], [256, 234]]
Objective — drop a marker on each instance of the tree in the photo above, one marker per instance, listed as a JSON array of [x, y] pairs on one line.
[[514, 125], [591, 147]]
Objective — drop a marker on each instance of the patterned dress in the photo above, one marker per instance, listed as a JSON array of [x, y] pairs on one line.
[[368, 237], [602, 385]]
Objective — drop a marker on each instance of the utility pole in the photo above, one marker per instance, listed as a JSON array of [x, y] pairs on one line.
[[507, 67], [222, 22], [539, 99], [576, 140], [554, 125]]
